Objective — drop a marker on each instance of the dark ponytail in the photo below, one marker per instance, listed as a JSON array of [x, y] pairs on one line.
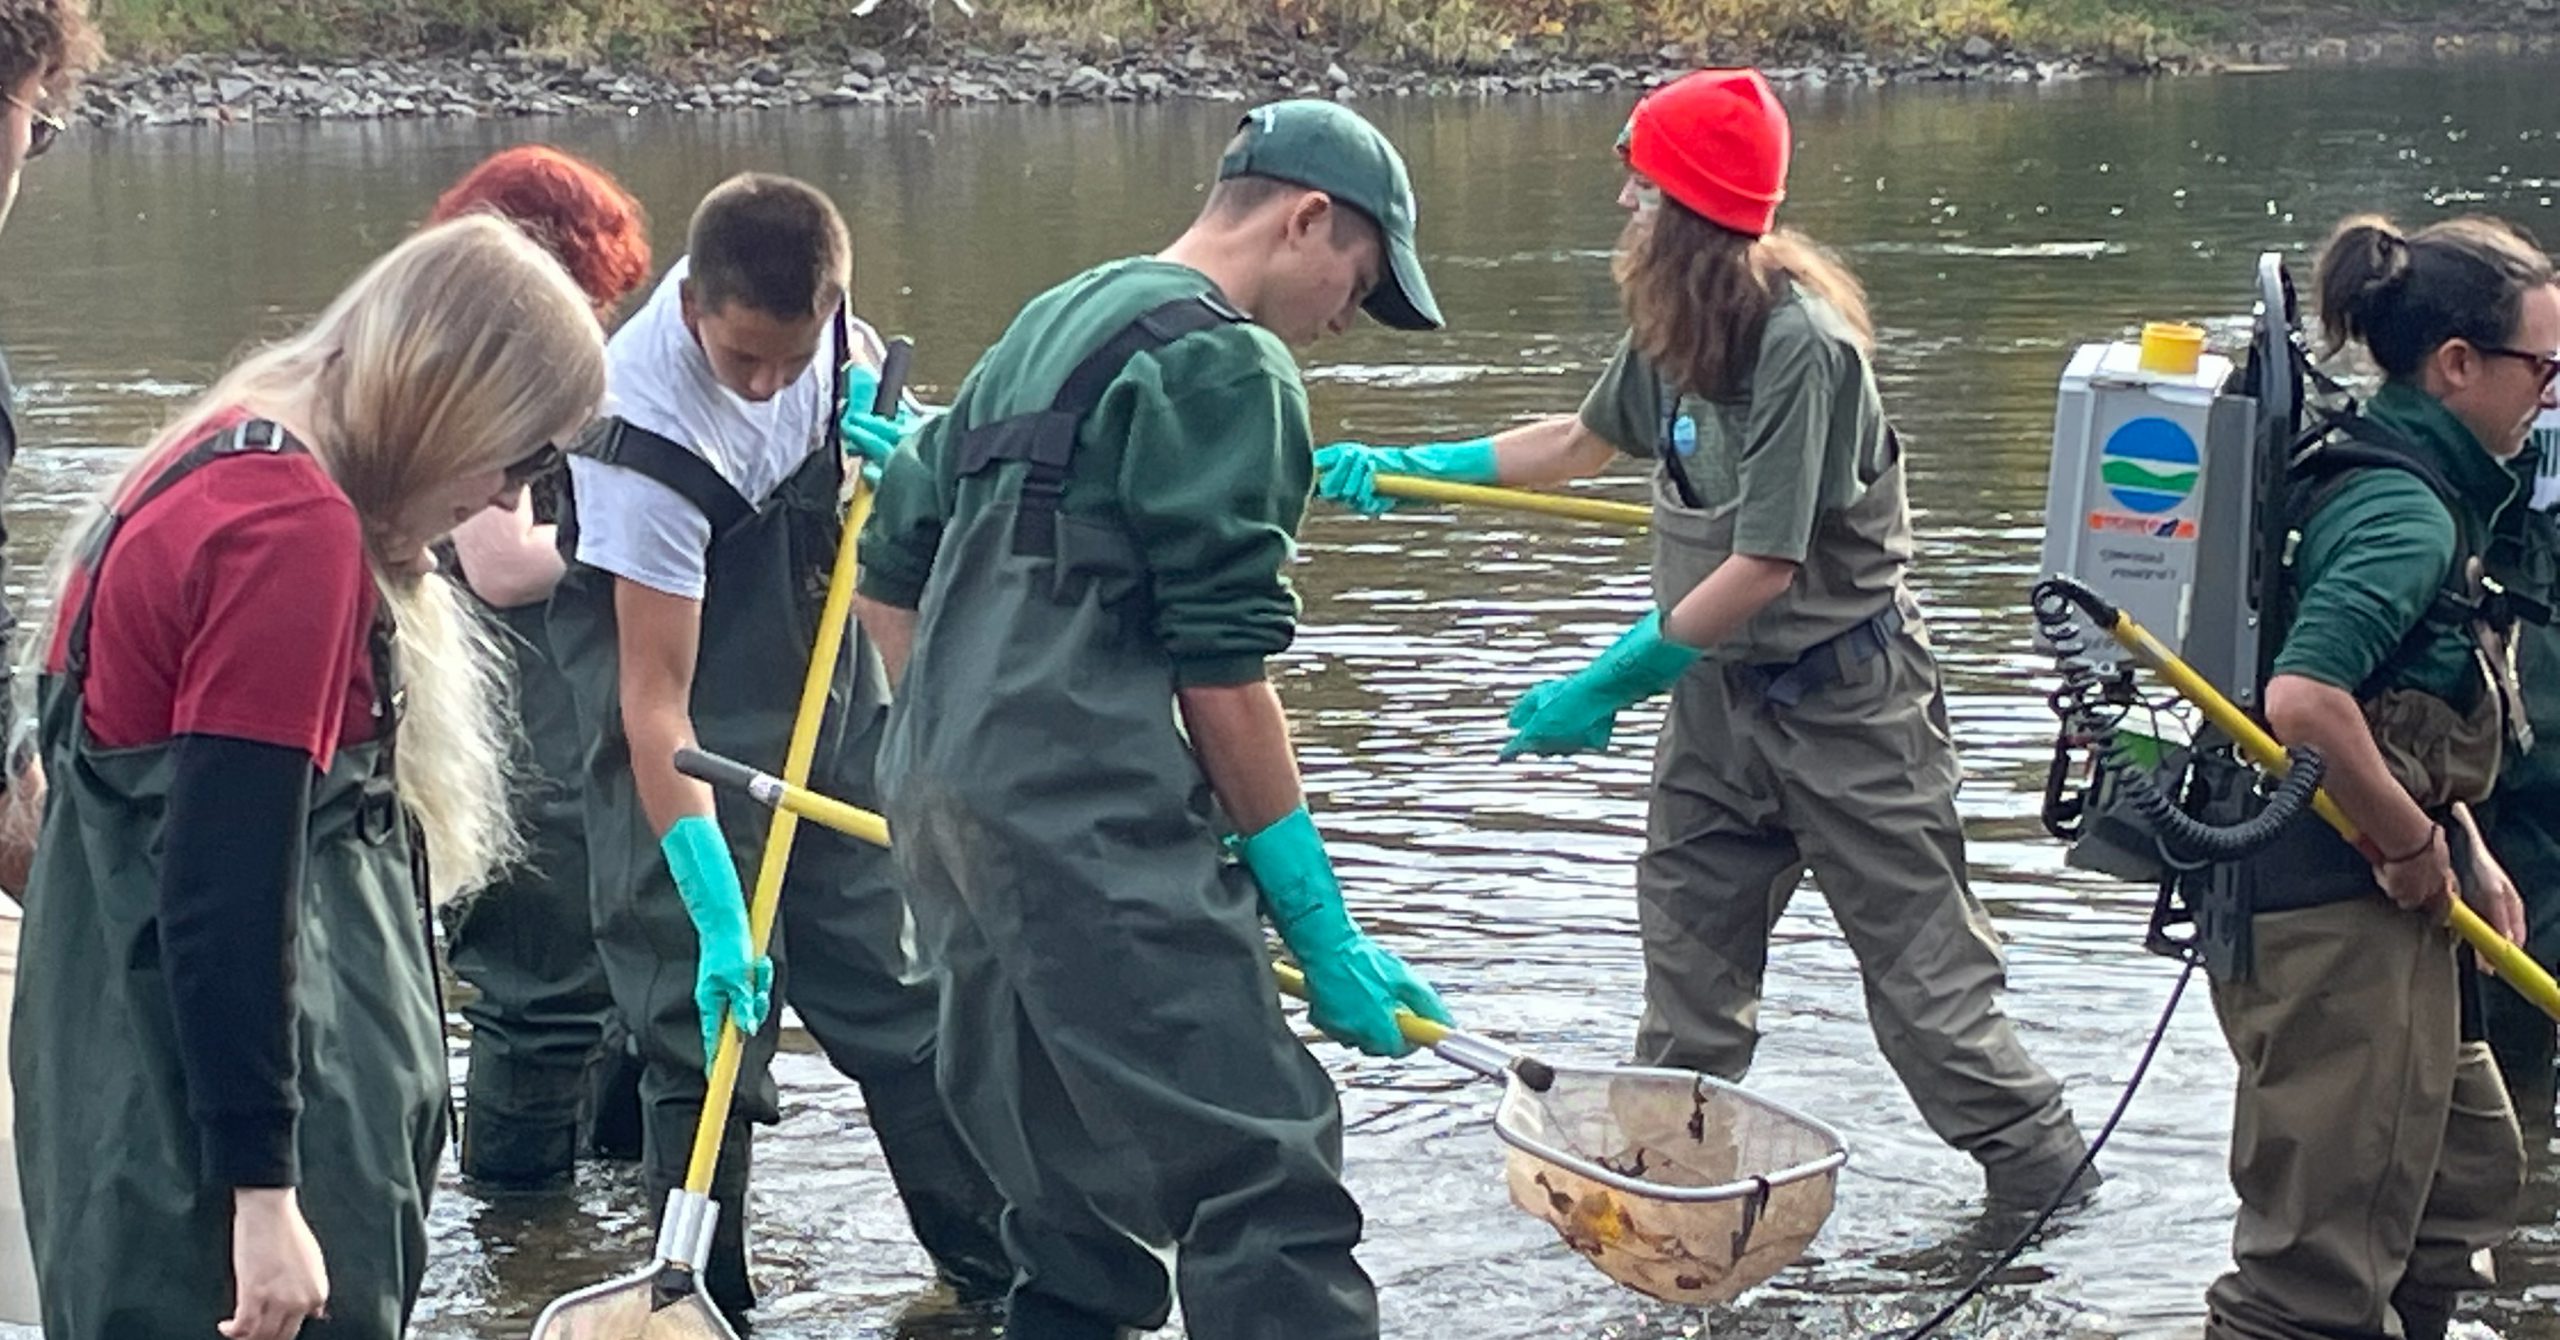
[[2403, 295]]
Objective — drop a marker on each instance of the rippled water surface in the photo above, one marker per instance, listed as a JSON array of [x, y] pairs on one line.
[[1995, 229]]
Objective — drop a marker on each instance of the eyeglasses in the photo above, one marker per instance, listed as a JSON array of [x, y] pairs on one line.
[[534, 464], [2547, 364], [43, 127]]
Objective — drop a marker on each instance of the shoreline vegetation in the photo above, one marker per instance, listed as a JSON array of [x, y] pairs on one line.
[[226, 62]]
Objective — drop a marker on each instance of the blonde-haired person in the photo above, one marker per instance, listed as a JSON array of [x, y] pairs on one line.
[[1807, 729], [231, 1065]]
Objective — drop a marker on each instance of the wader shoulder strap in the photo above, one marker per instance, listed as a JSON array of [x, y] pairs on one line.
[[621, 442], [252, 437], [1047, 438]]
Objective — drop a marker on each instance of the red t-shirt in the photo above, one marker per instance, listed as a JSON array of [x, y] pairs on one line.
[[236, 604]]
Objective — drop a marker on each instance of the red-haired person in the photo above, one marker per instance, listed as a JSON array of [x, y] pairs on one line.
[[540, 1024], [1807, 729]]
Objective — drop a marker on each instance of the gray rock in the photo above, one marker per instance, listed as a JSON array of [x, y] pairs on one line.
[[1979, 48], [1334, 74], [233, 88], [868, 62]]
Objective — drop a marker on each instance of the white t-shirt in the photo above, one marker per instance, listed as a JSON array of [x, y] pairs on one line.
[[657, 378]]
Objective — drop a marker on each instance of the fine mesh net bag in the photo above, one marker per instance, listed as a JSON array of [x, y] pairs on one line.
[[1674, 1184], [632, 1309]]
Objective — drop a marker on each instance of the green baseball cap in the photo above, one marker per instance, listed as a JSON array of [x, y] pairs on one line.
[[1325, 146]]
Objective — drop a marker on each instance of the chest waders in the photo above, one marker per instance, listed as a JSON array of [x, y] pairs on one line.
[[1112, 1044], [843, 947], [130, 1239], [540, 1056], [1823, 747], [2440, 750]]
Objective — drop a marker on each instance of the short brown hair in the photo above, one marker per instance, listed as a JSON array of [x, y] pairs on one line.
[[50, 38], [774, 244]]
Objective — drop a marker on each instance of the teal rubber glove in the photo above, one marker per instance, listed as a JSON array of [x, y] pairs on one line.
[[1353, 986], [1347, 472], [869, 437], [729, 977], [1575, 714]]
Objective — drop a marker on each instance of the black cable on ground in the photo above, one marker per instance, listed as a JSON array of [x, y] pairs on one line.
[[2142, 1067]]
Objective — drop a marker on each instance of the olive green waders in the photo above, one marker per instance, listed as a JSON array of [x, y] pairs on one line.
[[527, 943], [843, 947], [1836, 760], [130, 1239], [1112, 1042]]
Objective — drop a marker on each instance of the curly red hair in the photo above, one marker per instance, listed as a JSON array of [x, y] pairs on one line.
[[573, 208]]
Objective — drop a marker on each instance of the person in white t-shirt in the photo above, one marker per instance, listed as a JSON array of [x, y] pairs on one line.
[[703, 516]]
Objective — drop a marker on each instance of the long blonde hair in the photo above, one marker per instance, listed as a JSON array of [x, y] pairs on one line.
[[458, 352]]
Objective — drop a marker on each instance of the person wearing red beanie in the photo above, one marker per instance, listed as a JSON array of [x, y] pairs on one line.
[[1807, 729]]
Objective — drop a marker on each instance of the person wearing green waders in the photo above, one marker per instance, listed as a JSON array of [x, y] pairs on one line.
[[273, 738], [545, 1066], [1076, 574], [2375, 1156], [1807, 729], [701, 522], [45, 45], [2522, 820]]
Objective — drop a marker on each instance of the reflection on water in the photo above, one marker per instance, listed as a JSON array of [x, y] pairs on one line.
[[1995, 228]]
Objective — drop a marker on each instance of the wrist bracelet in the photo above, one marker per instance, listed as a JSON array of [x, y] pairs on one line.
[[2425, 845]]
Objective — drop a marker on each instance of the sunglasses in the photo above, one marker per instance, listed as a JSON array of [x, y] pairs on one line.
[[533, 465], [2547, 364], [43, 127]]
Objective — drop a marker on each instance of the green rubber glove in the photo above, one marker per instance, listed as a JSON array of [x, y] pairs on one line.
[[1575, 714], [1353, 986], [869, 437], [1347, 472], [729, 977]]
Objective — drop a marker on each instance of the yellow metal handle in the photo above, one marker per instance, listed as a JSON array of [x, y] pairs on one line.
[[855, 822], [2505, 957], [1418, 489], [833, 618], [1417, 1030]]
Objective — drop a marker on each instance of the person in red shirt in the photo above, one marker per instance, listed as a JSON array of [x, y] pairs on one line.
[[543, 1018], [272, 742]]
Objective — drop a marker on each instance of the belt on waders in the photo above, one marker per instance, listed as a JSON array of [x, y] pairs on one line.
[[1046, 438], [1825, 663]]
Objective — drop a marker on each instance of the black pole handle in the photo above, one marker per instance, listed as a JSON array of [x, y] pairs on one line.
[[893, 377], [726, 773]]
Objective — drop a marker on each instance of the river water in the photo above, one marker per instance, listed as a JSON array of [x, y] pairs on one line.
[[1996, 229]]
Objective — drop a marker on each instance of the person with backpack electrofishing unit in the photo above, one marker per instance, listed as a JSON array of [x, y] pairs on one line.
[[1807, 728], [273, 739], [1076, 574], [700, 524], [543, 1057], [2373, 1149]]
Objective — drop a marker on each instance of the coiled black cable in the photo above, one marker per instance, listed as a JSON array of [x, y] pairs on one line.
[[2085, 712]]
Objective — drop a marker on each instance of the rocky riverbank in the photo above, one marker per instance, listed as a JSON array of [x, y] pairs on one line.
[[248, 88]]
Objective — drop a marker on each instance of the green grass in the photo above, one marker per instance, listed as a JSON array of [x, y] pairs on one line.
[[1441, 33]]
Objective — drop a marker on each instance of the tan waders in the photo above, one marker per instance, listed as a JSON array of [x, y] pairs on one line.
[[2373, 1150]]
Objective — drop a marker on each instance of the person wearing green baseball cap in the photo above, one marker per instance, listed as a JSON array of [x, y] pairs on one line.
[[1074, 576]]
